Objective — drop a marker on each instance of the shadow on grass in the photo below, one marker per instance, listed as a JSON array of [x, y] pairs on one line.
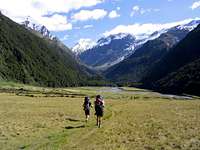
[[75, 127], [73, 119]]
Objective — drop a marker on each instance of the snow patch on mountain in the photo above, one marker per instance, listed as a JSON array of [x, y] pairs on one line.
[[83, 45], [130, 48], [114, 48], [109, 64], [104, 41], [189, 26], [120, 36]]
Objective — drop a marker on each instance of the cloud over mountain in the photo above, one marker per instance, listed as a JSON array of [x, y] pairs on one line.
[[85, 15], [113, 14], [141, 30], [46, 12], [195, 5]]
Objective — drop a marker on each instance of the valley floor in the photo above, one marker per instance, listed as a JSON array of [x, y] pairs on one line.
[[51, 119]]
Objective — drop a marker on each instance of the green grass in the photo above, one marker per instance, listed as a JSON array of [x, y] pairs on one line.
[[52, 119]]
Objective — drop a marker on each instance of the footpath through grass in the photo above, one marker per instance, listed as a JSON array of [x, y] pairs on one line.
[[53, 119]]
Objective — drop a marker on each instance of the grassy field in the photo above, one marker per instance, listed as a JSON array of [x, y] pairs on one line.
[[52, 119]]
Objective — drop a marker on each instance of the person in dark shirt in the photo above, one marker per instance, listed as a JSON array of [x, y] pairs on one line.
[[99, 109], [86, 107]]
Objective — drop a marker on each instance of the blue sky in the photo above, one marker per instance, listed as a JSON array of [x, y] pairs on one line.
[[72, 20], [168, 11]]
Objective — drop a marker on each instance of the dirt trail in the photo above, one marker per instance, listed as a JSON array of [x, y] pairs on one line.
[[77, 142]]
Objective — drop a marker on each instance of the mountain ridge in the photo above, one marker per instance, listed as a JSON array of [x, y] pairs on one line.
[[38, 28], [176, 71], [113, 49], [136, 66], [30, 59]]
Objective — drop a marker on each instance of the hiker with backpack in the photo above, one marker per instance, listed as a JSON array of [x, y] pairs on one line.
[[99, 109], [86, 107]]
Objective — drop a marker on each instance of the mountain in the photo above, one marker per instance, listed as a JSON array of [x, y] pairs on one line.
[[109, 51], [28, 58], [135, 67], [189, 26], [82, 46], [42, 32], [184, 80], [181, 68]]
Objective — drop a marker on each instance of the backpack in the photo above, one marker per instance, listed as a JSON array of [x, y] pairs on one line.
[[87, 103], [99, 103]]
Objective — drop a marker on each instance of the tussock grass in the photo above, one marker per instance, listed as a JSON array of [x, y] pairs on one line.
[[134, 119]]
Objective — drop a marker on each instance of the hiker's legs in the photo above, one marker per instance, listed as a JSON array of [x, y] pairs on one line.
[[99, 122], [87, 117]]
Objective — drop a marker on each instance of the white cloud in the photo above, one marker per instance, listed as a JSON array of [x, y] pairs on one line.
[[88, 26], [138, 10], [85, 15], [65, 37], [46, 6], [37, 9], [56, 23], [139, 30], [113, 14], [118, 8], [195, 5], [135, 9]]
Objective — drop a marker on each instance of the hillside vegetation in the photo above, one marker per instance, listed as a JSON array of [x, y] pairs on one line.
[[27, 58], [178, 71]]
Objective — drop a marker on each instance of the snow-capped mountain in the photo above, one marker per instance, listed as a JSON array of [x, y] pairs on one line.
[[87, 44], [39, 28], [120, 36], [113, 49], [139, 64], [110, 50], [83, 45], [189, 26]]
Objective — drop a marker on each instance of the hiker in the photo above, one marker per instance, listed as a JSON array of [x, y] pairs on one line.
[[99, 109], [86, 107]]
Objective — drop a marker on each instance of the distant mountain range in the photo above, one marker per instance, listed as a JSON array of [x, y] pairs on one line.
[[113, 49], [135, 67], [169, 64], [166, 61]]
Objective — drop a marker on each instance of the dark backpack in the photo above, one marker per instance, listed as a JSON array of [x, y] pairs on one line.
[[98, 104], [87, 103]]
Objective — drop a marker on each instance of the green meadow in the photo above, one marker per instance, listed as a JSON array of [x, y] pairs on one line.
[[36, 118]]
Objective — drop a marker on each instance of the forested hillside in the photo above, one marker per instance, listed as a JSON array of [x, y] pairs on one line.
[[27, 58]]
